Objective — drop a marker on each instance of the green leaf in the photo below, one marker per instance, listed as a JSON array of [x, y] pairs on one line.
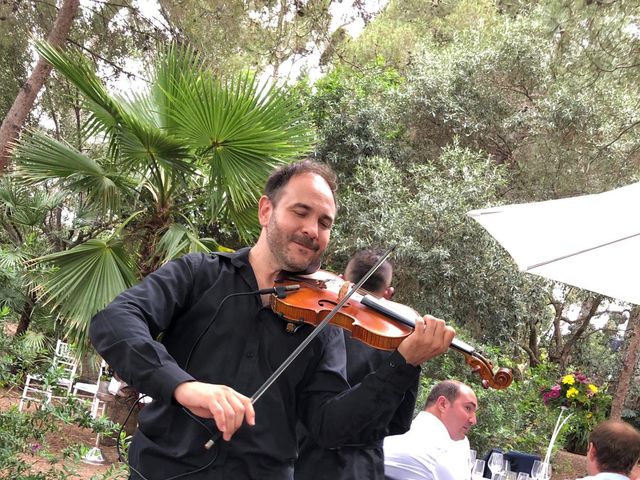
[[178, 240], [41, 158], [86, 279]]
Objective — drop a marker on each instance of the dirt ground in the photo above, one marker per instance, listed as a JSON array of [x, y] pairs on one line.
[[568, 466], [565, 465]]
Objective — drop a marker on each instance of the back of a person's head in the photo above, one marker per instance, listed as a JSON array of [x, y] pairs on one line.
[[617, 446], [449, 389], [361, 262]]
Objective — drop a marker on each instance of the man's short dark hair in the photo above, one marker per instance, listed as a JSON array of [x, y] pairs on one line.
[[449, 389], [617, 446], [361, 262], [281, 176]]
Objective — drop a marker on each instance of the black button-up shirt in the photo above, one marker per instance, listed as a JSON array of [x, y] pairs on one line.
[[355, 462], [147, 333]]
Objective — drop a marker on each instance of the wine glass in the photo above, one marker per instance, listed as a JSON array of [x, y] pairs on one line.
[[472, 456], [540, 470], [496, 463], [477, 472], [523, 476]]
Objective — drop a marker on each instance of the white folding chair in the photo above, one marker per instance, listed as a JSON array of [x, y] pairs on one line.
[[91, 391], [36, 389], [67, 364], [81, 389]]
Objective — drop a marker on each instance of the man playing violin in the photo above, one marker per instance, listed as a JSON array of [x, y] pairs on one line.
[[365, 460], [199, 338]]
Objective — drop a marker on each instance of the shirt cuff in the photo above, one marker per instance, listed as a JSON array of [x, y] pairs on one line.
[[396, 371], [167, 378]]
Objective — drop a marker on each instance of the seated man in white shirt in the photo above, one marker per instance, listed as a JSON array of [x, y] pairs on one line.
[[614, 450], [436, 447]]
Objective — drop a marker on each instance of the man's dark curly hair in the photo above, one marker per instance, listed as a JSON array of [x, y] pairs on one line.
[[281, 176]]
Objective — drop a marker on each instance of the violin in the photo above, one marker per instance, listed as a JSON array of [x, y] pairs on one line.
[[380, 323]]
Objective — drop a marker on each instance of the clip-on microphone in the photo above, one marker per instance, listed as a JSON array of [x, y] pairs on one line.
[[280, 292]]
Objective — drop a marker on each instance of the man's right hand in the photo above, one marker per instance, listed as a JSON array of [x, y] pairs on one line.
[[227, 407]]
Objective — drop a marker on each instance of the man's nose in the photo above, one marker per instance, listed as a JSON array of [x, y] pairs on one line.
[[473, 420], [310, 228]]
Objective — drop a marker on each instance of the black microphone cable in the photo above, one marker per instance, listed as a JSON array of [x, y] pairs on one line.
[[280, 292]]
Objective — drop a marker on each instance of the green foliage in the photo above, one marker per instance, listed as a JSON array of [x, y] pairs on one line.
[[502, 85], [23, 436], [93, 273], [235, 34], [14, 56], [354, 115], [20, 355]]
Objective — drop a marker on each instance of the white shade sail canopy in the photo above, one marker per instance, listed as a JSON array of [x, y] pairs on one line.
[[590, 241]]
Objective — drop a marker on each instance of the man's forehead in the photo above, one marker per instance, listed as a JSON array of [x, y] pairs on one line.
[[467, 396], [307, 188]]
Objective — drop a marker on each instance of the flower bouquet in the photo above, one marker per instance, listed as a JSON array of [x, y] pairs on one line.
[[583, 400]]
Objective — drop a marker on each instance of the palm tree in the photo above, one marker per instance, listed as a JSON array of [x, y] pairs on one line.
[[159, 166], [27, 218]]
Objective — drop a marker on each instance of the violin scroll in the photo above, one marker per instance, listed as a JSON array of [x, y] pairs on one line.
[[483, 367]]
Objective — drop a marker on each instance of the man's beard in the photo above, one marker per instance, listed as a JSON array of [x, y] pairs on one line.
[[279, 245]]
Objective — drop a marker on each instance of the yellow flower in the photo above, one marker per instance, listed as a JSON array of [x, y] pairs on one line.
[[593, 388], [589, 415], [572, 392], [568, 380]]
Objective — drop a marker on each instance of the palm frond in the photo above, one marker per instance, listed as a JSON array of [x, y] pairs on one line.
[[241, 130], [11, 260], [40, 158], [78, 70], [86, 279], [34, 341], [145, 145], [176, 66], [28, 207], [178, 240]]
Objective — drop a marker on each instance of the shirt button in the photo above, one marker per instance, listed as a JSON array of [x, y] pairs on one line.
[[392, 364], [251, 354]]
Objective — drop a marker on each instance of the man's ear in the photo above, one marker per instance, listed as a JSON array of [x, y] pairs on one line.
[[265, 210], [591, 451], [442, 403], [388, 293]]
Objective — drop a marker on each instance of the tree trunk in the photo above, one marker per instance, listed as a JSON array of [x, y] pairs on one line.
[[561, 354], [628, 364], [532, 350], [22, 105], [25, 316]]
